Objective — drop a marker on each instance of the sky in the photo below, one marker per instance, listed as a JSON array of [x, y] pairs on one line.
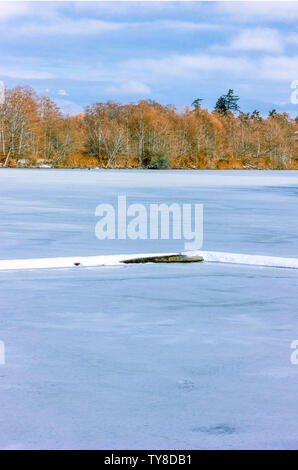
[[79, 53]]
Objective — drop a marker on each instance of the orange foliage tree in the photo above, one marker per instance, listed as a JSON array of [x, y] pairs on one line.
[[34, 131]]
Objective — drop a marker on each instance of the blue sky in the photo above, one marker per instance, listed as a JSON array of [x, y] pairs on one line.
[[78, 53]]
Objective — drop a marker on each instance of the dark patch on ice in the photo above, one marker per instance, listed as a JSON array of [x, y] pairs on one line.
[[165, 324], [281, 329], [216, 430], [77, 264], [165, 259], [186, 384]]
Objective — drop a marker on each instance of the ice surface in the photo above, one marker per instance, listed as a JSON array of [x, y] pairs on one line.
[[148, 356], [49, 213], [172, 356]]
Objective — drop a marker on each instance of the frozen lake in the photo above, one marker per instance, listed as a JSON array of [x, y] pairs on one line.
[[148, 356]]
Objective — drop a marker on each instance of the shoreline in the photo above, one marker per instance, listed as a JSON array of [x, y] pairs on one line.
[[48, 167]]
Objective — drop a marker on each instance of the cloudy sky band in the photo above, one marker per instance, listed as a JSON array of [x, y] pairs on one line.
[[79, 52]]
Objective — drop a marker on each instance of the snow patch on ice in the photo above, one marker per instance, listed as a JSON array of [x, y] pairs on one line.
[[238, 258]]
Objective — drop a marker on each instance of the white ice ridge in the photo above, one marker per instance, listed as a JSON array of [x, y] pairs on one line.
[[73, 261], [238, 258], [114, 260]]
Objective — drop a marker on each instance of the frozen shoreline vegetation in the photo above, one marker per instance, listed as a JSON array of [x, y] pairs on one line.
[[35, 133]]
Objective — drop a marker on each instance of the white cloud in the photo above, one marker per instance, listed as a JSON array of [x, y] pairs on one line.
[[185, 65], [259, 11], [214, 63], [292, 38], [62, 93], [282, 68], [15, 72], [196, 66], [137, 8], [135, 87], [137, 76], [257, 39], [11, 9], [87, 26], [132, 87], [183, 26], [70, 27]]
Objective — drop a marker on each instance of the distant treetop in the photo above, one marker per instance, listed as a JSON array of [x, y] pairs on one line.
[[228, 102]]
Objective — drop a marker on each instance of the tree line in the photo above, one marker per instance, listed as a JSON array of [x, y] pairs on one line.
[[35, 132]]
